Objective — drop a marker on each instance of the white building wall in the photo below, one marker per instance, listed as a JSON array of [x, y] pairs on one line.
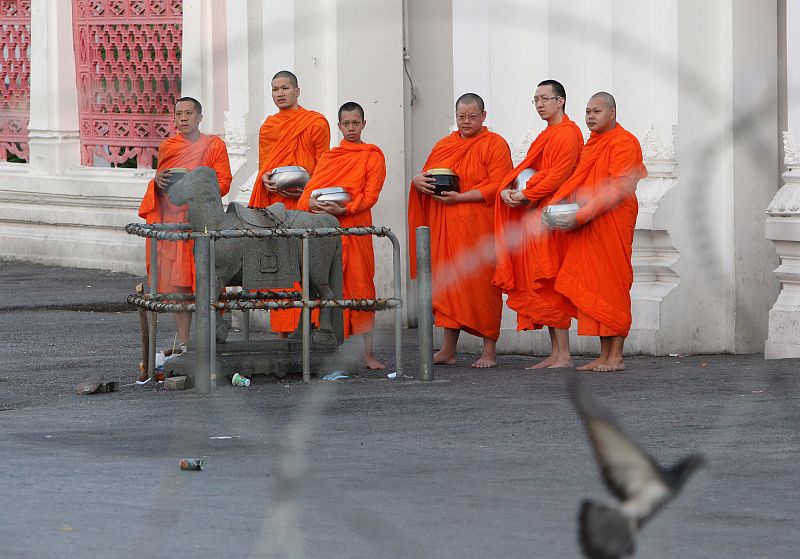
[[689, 78]]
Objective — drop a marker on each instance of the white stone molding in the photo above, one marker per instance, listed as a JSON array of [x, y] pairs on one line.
[[653, 252], [786, 201], [783, 229], [791, 153], [520, 149], [236, 140]]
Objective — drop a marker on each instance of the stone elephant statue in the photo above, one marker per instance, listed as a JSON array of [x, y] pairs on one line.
[[267, 262]]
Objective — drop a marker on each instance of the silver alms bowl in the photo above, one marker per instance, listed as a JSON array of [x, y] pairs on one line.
[[522, 179], [332, 194], [551, 214], [291, 178]]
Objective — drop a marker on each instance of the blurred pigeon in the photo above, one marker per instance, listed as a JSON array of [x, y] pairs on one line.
[[640, 484]]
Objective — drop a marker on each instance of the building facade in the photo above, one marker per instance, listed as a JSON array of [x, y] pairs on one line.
[[710, 88]]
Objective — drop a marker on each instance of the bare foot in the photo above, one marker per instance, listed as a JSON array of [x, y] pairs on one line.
[[372, 363], [561, 364], [440, 358], [543, 364], [484, 362], [609, 366], [591, 365]]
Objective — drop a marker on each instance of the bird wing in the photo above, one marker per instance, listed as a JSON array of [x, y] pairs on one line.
[[626, 469]]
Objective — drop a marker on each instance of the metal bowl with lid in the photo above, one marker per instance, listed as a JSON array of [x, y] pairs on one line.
[[332, 194], [289, 179], [445, 180], [521, 182], [553, 214]]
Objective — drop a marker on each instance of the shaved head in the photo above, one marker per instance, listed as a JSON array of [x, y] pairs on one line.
[[288, 75], [469, 99], [607, 97]]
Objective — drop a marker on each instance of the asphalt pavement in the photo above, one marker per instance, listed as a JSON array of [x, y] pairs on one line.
[[477, 464]]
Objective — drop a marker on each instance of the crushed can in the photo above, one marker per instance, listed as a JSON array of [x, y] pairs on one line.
[[191, 464], [239, 380]]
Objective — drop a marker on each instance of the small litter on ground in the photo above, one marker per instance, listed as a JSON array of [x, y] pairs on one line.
[[335, 375]]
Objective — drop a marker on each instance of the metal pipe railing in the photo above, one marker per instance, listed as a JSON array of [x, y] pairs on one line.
[[207, 298]]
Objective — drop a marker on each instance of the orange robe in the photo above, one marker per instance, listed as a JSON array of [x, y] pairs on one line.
[[289, 137], [176, 258], [596, 274], [361, 170], [528, 253], [462, 235]]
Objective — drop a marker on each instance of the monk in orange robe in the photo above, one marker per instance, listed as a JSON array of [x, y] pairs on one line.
[[292, 136], [462, 231], [528, 253], [360, 169], [188, 149], [596, 274]]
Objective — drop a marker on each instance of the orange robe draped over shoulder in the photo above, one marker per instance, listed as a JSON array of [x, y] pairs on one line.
[[596, 274], [462, 235], [528, 253], [176, 258], [289, 137], [361, 170]]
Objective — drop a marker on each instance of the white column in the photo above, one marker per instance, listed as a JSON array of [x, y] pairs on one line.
[[53, 127], [783, 213], [204, 61], [238, 64], [369, 38], [278, 44], [646, 88], [472, 24]]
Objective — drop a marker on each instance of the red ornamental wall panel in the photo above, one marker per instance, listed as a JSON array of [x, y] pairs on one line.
[[15, 77], [128, 72]]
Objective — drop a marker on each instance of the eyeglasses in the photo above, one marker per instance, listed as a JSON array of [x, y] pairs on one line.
[[535, 100], [467, 118]]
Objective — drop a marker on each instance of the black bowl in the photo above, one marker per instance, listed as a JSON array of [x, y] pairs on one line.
[[445, 180]]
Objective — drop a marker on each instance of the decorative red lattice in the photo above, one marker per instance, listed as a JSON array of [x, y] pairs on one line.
[[128, 62], [15, 77]]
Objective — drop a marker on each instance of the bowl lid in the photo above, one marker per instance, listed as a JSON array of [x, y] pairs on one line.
[[287, 169], [562, 208], [441, 172], [328, 190], [178, 169]]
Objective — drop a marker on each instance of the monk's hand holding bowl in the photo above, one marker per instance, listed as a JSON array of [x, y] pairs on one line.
[[162, 178], [424, 184], [513, 198], [270, 185], [449, 197], [295, 195], [333, 208], [566, 221]]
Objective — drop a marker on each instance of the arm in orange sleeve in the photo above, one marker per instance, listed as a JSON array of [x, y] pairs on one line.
[[624, 164], [497, 167], [217, 159], [321, 138], [149, 202], [608, 196], [544, 183], [376, 175]]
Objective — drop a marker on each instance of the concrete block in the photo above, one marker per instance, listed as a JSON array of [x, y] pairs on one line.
[[175, 383]]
